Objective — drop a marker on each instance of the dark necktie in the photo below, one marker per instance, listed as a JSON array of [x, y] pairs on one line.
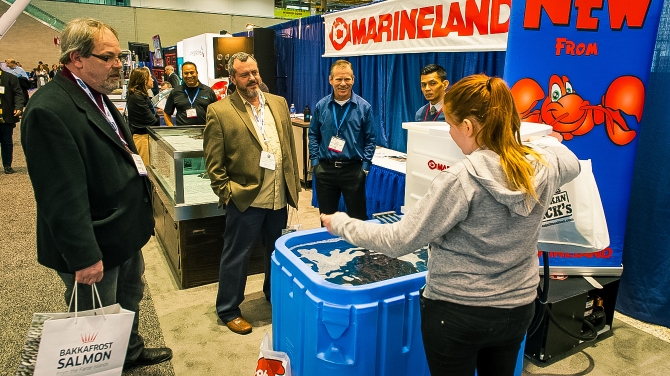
[[432, 110]]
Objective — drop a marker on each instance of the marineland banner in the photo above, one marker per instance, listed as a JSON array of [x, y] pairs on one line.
[[413, 26]]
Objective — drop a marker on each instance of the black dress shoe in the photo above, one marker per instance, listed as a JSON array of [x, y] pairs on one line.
[[149, 357], [9, 170]]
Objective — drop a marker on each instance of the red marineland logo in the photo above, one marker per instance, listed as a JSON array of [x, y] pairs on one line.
[[339, 33], [436, 165]]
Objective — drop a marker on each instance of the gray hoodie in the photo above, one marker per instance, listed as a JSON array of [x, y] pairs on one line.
[[482, 235]]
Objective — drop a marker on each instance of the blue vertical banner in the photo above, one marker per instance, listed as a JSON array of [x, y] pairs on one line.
[[582, 66]]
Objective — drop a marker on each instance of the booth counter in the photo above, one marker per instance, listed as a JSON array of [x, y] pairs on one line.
[[189, 224]]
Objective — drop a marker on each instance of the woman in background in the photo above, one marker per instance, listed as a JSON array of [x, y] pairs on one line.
[[481, 218], [42, 75], [141, 112]]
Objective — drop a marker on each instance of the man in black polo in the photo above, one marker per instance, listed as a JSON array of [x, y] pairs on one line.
[[190, 99]]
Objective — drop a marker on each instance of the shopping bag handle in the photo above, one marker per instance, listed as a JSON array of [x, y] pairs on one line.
[[94, 294]]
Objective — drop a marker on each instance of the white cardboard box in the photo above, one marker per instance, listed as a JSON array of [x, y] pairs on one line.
[[430, 150]]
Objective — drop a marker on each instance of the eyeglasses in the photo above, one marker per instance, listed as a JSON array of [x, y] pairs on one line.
[[107, 58]]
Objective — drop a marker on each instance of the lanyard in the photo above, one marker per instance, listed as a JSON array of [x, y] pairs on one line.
[[104, 110], [338, 125], [260, 121], [426, 115], [194, 97]]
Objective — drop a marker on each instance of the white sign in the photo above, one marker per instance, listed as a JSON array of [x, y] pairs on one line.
[[200, 51], [413, 26]]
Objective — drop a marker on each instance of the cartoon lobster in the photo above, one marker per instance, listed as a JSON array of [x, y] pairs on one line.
[[570, 115]]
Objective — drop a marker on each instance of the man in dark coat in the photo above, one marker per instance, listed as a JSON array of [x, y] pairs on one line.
[[93, 199], [11, 98], [171, 76], [24, 81]]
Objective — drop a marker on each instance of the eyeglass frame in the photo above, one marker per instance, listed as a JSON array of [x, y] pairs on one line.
[[107, 58]]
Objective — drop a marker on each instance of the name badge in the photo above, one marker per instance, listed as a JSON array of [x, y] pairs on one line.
[[268, 161], [2, 89], [336, 144], [191, 113], [139, 164]]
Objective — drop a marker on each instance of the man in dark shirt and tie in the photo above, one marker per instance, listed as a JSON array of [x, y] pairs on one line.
[[190, 99], [433, 85], [341, 144]]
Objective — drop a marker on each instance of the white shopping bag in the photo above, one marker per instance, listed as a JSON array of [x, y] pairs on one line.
[[270, 362], [92, 342], [293, 223], [575, 220]]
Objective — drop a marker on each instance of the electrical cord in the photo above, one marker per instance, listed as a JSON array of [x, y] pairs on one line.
[[542, 296], [592, 337]]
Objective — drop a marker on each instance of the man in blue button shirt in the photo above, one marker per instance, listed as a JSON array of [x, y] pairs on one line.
[[341, 144], [433, 85]]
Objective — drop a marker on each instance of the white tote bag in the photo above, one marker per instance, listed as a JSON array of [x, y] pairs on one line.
[[575, 220], [270, 362], [92, 342]]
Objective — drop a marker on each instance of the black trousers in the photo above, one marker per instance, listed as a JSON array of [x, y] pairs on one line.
[[242, 230], [6, 143], [348, 181], [459, 339]]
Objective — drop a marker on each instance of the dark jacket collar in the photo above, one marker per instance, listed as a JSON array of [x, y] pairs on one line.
[[93, 113]]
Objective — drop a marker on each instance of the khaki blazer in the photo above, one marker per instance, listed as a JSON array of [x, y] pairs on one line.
[[233, 150]]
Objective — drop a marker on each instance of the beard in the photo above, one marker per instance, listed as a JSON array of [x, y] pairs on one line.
[[250, 93], [111, 83]]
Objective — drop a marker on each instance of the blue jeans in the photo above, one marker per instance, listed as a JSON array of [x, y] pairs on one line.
[[122, 284], [459, 339]]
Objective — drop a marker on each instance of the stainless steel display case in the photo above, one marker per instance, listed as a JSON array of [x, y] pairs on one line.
[[189, 225], [177, 168]]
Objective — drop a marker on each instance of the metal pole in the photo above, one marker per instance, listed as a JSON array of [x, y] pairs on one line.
[[14, 11]]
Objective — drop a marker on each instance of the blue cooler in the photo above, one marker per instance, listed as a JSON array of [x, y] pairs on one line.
[[342, 310]]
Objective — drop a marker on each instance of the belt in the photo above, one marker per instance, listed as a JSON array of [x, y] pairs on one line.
[[340, 164]]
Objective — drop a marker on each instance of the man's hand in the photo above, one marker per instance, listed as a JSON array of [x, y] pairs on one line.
[[90, 275], [325, 222], [17, 112]]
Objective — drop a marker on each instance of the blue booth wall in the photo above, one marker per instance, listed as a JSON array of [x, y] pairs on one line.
[[645, 282], [391, 84]]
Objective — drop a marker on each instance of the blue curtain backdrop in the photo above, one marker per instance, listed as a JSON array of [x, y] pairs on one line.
[[645, 282], [390, 83]]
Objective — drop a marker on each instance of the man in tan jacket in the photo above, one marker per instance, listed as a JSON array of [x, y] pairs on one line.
[[251, 161]]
